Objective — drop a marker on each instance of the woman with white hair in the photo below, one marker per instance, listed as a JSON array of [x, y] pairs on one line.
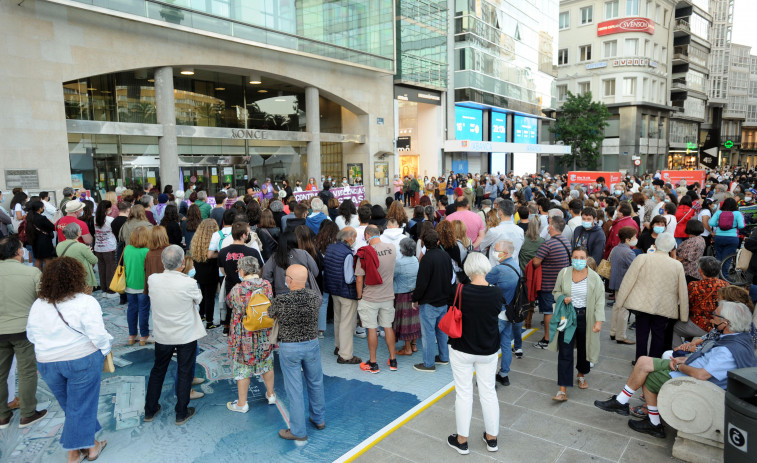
[[654, 288], [476, 351]]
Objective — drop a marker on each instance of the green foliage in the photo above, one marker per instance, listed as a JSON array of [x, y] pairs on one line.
[[581, 124]]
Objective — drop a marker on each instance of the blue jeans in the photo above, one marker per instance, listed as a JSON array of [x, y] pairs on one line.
[[296, 358], [517, 335], [546, 301], [322, 312], [725, 245], [430, 318], [505, 340], [138, 310], [76, 383]]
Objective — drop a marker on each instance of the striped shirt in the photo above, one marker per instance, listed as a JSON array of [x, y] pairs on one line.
[[555, 255], [578, 293]]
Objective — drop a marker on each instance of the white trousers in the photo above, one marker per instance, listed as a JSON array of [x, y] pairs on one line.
[[463, 365]]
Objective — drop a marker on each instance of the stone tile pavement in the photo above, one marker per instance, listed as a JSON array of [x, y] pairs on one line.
[[533, 427]]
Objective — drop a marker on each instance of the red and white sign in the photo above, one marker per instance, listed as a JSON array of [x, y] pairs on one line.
[[691, 176], [617, 26], [586, 178]]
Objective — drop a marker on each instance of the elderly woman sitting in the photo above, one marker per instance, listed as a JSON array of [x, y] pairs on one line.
[[703, 299], [655, 289], [251, 353]]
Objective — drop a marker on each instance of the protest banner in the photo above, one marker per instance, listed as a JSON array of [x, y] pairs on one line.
[[588, 177], [691, 176], [356, 193]]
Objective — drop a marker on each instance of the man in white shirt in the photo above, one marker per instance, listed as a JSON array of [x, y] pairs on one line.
[[506, 230], [50, 209], [176, 327], [575, 207], [551, 213], [393, 234]]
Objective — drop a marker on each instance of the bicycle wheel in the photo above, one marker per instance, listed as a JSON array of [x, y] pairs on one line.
[[730, 273]]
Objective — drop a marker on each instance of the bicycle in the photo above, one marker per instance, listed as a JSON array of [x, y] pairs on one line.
[[730, 273]]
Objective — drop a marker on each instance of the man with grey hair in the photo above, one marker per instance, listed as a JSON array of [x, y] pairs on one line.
[[553, 255], [506, 230], [201, 202], [315, 219], [732, 348], [147, 202], [68, 195], [176, 328]]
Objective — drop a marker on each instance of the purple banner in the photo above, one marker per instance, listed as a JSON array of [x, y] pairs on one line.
[[355, 193]]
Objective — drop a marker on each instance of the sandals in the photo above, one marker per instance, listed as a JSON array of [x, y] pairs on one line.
[[582, 382], [100, 446], [561, 396], [415, 348], [133, 340]]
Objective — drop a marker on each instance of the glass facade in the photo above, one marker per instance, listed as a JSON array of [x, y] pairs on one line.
[[354, 31], [505, 53], [422, 43]]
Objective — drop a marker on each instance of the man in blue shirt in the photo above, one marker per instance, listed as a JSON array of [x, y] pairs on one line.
[[506, 276], [733, 349]]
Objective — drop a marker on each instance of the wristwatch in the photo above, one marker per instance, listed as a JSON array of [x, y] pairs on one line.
[[677, 365]]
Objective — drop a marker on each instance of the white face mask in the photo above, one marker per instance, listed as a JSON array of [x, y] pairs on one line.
[[26, 255], [633, 242]]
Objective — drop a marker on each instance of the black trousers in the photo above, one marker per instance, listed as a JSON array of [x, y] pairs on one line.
[[656, 325], [185, 356], [208, 304], [565, 352]]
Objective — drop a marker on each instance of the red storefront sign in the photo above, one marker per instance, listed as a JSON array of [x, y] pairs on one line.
[[691, 176], [616, 26], [586, 178]]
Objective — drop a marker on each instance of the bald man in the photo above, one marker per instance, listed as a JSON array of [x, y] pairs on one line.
[[299, 352]]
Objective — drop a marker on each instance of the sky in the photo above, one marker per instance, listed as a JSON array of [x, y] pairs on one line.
[[744, 19]]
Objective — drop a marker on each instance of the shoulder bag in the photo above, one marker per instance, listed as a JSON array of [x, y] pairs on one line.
[[452, 322], [118, 282], [604, 269], [108, 366]]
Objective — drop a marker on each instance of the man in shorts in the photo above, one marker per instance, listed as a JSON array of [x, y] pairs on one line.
[[374, 272]]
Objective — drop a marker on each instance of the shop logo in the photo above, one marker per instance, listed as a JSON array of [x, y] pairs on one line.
[[465, 143], [617, 26], [249, 134], [737, 437], [635, 25]]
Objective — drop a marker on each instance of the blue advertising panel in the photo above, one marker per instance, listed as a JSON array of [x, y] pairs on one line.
[[524, 129], [499, 126], [468, 122], [460, 166]]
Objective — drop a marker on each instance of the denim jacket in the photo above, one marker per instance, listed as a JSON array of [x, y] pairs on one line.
[[405, 273], [505, 278]]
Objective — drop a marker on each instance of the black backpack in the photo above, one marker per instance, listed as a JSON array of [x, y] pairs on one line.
[[517, 310]]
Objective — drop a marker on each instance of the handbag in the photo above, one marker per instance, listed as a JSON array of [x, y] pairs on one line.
[[452, 322], [743, 258], [256, 314], [118, 282], [604, 269]]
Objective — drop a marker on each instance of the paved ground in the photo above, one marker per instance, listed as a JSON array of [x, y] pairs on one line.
[[533, 427]]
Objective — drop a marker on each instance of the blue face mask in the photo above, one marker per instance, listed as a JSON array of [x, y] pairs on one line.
[[192, 273], [658, 230], [587, 225], [618, 192], [578, 264]]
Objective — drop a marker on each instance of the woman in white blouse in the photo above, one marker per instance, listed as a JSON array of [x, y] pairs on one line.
[[70, 342]]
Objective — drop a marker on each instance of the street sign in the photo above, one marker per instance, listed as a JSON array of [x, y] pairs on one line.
[[709, 158], [691, 146], [637, 162]]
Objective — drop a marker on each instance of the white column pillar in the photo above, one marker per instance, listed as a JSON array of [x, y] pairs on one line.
[[313, 125], [166, 115]]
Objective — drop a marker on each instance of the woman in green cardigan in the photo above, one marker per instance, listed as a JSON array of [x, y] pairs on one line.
[[78, 251], [584, 293], [138, 310]]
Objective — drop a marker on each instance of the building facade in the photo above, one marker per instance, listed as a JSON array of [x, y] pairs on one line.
[[101, 94], [716, 124], [620, 52]]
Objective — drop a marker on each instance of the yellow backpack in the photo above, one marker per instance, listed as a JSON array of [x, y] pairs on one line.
[[256, 315]]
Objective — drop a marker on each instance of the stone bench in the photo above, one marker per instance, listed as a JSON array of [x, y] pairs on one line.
[[696, 409]]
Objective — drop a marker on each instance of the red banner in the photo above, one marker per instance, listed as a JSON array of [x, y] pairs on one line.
[[691, 176], [585, 178], [616, 26]]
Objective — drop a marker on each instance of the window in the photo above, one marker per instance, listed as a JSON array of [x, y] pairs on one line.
[[657, 11], [584, 53], [647, 48], [629, 86], [632, 7], [584, 88], [562, 56], [586, 14], [665, 16], [645, 88], [654, 52], [664, 54], [565, 20], [611, 9], [610, 49], [649, 9], [609, 87], [562, 92], [632, 47]]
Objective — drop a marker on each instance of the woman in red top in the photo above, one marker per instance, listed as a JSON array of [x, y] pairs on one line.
[[684, 213], [311, 185], [703, 294]]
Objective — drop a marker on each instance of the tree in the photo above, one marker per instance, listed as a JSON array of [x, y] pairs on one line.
[[581, 124]]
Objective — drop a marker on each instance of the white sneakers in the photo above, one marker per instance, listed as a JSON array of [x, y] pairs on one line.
[[360, 332], [236, 408], [271, 399]]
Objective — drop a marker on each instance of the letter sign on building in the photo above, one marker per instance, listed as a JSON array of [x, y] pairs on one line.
[[617, 26]]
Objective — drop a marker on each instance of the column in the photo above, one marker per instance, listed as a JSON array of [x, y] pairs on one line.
[[166, 115], [313, 125]]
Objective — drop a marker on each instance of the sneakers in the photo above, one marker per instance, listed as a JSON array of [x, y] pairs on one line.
[[462, 449], [236, 408], [612, 405], [518, 353], [196, 394], [369, 367], [424, 368], [646, 427], [491, 444], [211, 326], [360, 332], [287, 434], [271, 398], [392, 364], [503, 380], [321, 334], [439, 361], [353, 361], [381, 334], [26, 422], [190, 414], [225, 330], [150, 418], [542, 344]]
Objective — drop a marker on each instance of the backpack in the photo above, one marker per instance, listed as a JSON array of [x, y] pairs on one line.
[[725, 221], [517, 310], [22, 231], [256, 314]]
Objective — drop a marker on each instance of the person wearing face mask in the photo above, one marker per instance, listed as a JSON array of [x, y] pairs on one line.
[[590, 235], [621, 258], [748, 198], [73, 211], [298, 186], [623, 219], [649, 235], [228, 258], [580, 297]]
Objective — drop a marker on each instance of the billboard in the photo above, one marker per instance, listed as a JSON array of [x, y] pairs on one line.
[[525, 129], [499, 126], [691, 176], [468, 123], [617, 26], [585, 178]]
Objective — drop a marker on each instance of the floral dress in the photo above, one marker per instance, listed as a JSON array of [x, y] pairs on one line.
[[251, 353], [703, 300]]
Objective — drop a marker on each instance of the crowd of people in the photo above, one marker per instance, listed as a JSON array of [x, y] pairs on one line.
[[485, 244]]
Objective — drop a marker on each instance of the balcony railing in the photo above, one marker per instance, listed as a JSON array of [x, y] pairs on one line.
[[736, 139], [750, 145], [682, 25], [681, 52]]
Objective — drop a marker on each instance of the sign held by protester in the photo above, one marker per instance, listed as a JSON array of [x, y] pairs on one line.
[[691, 176], [586, 177], [355, 193]]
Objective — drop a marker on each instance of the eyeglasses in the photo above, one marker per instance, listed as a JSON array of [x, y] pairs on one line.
[[721, 317]]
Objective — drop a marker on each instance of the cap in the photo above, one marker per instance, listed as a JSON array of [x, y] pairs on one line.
[[74, 206]]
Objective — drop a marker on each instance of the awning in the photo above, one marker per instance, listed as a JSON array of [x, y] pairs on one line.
[[472, 146]]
